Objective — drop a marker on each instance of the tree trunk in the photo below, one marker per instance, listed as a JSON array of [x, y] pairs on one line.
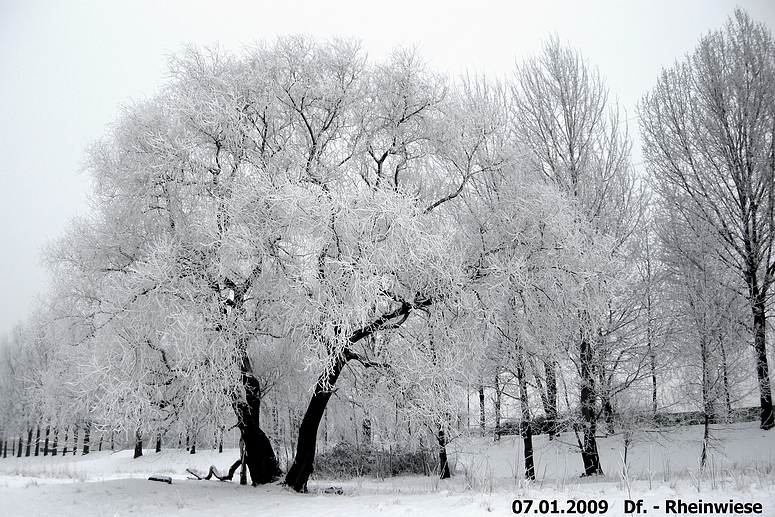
[[526, 428], [653, 361], [367, 432], [29, 443], [303, 462], [608, 414], [725, 376], [302, 466], [444, 472], [550, 402], [45, 442], [497, 406], [589, 452], [64, 449], [37, 441], [259, 454], [55, 442], [87, 439], [158, 442], [762, 368], [138, 444], [19, 452], [482, 421]]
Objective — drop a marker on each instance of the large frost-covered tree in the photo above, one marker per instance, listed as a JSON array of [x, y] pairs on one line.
[[300, 201], [708, 128]]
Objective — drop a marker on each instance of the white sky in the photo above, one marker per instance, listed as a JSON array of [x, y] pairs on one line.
[[65, 66]]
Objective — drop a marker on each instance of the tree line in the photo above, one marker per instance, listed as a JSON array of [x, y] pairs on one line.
[[297, 232]]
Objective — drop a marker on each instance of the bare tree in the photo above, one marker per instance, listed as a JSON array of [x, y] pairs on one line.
[[709, 144], [563, 115]]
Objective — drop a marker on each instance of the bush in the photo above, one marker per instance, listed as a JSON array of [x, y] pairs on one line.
[[346, 461]]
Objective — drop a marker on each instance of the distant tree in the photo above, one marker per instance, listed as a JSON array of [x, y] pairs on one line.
[[709, 132], [575, 141]]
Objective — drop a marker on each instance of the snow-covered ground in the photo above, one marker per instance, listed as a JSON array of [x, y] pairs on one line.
[[488, 478]]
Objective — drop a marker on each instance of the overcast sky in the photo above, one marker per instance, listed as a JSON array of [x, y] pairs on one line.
[[65, 66]]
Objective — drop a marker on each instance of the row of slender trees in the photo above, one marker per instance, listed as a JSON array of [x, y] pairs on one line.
[[297, 217]]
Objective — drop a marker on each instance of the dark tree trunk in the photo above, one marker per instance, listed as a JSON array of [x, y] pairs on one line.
[[444, 472], [64, 449], [259, 454], [762, 367], [19, 452], [158, 443], [37, 441], [589, 452], [45, 442], [608, 414], [138, 444], [653, 360], [482, 421], [725, 378], [303, 462], [29, 443], [551, 394], [54, 444], [367, 432], [526, 429], [497, 405], [87, 439]]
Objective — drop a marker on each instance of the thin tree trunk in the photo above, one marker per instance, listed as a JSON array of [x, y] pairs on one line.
[[138, 443], [725, 378], [650, 331], [549, 400], [45, 442], [54, 444], [481, 409], [67, 432], [29, 443], [589, 452], [497, 406], [19, 452], [526, 429], [87, 439], [158, 442], [37, 441], [444, 472]]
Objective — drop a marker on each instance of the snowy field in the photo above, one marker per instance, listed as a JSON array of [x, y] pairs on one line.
[[662, 466]]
